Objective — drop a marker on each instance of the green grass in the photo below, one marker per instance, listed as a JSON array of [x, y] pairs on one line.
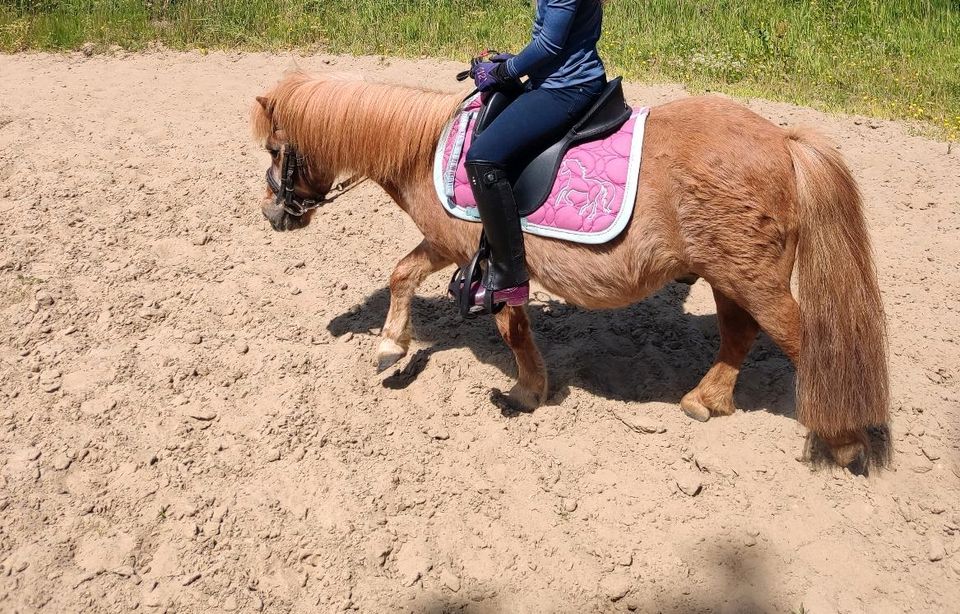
[[885, 58]]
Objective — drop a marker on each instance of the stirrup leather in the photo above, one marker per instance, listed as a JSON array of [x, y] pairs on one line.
[[463, 282]]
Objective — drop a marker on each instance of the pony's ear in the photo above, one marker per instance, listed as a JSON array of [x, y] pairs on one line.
[[266, 103]]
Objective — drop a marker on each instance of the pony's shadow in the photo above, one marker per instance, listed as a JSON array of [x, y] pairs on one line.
[[650, 351]]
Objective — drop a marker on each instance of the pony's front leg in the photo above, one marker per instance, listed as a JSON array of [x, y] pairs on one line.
[[531, 389], [406, 277]]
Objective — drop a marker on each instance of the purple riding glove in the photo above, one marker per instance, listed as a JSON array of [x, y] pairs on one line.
[[488, 74]]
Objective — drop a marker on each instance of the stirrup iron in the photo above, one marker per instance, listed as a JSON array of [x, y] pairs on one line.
[[463, 281]]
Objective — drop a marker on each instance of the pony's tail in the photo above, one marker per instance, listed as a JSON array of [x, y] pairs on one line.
[[842, 385]]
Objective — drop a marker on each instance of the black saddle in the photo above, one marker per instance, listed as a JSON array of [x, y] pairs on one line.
[[533, 185]]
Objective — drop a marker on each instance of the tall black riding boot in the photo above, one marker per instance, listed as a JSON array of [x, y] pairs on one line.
[[507, 267]]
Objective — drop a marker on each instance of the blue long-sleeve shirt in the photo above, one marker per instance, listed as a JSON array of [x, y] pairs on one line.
[[563, 52]]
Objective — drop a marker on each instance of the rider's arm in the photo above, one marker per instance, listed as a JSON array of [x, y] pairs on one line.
[[558, 18]]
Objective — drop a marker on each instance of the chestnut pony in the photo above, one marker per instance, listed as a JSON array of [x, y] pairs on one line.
[[724, 194]]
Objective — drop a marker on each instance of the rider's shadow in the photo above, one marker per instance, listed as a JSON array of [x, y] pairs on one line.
[[650, 351]]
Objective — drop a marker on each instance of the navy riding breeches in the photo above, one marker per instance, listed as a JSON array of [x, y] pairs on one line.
[[530, 124]]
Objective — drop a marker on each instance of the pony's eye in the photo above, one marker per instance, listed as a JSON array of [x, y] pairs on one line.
[[274, 152]]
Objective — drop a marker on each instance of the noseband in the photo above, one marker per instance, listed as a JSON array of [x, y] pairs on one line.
[[284, 190]]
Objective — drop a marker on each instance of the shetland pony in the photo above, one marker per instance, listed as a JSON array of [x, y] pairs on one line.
[[724, 194]]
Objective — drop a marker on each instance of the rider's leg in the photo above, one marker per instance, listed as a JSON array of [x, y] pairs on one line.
[[506, 274], [533, 122]]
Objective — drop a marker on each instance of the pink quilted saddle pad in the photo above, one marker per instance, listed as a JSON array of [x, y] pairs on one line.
[[594, 193]]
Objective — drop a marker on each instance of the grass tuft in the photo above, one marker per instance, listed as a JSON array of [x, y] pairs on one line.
[[898, 60]]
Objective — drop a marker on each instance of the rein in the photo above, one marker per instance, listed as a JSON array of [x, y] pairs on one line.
[[284, 190]]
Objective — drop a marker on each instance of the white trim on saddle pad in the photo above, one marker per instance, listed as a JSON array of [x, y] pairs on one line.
[[444, 181]]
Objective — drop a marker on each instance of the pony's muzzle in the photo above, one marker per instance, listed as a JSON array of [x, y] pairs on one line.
[[279, 219]]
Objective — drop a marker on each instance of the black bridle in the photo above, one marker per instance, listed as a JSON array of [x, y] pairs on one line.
[[284, 190]]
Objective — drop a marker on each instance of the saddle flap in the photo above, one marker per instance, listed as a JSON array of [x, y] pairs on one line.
[[533, 186], [608, 114]]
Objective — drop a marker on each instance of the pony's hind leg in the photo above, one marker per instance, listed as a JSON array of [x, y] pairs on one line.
[[531, 389], [779, 316], [713, 396], [406, 277]]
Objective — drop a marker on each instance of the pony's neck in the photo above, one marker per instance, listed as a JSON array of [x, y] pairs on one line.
[[385, 132], [408, 140]]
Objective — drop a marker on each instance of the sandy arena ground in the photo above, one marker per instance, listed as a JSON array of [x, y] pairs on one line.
[[190, 419]]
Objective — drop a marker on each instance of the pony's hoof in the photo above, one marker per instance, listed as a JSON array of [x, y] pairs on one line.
[[521, 398], [524, 399], [388, 354], [858, 452], [691, 405], [848, 450], [851, 456]]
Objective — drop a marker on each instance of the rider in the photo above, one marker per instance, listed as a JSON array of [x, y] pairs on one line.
[[565, 77]]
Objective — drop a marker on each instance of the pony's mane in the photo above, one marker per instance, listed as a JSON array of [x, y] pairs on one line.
[[352, 125]]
